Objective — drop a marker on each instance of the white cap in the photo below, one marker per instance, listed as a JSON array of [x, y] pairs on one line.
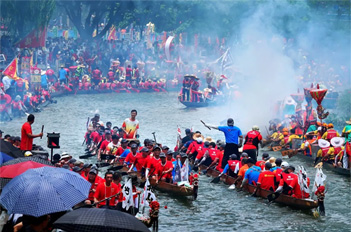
[[285, 164]]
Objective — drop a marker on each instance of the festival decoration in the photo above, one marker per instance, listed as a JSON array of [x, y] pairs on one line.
[[318, 95], [34, 39], [298, 98], [11, 70]]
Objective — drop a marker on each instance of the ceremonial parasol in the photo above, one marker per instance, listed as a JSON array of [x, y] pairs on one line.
[[318, 95]]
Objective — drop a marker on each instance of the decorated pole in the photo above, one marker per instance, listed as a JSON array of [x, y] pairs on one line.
[[318, 95]]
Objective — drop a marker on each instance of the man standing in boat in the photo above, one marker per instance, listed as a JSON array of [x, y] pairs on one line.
[[233, 138], [131, 125], [27, 135]]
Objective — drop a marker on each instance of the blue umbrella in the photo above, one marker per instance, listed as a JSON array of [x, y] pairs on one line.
[[4, 157], [45, 190]]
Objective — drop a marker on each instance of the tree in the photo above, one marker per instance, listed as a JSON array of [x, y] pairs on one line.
[[88, 15], [21, 17]]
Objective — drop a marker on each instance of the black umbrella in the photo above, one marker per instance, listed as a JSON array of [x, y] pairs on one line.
[[10, 150], [25, 159], [99, 220]]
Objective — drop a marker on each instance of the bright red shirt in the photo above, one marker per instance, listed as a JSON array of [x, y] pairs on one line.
[[26, 142], [142, 162], [103, 191], [164, 167], [220, 158], [93, 187], [120, 150], [152, 164], [104, 145], [266, 179], [95, 136], [132, 158], [213, 153]]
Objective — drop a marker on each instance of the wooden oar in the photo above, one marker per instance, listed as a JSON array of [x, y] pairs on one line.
[[115, 168], [216, 179], [205, 125], [273, 196], [42, 130]]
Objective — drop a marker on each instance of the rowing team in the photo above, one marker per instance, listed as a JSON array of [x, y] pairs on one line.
[[332, 147]]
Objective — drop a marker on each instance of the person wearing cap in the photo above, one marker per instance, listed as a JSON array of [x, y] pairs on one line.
[[62, 75], [243, 169], [164, 170], [123, 150], [330, 133], [216, 156], [154, 161], [131, 125], [233, 139], [266, 179], [195, 94], [265, 158], [289, 184], [71, 163], [230, 168], [17, 142], [251, 174], [92, 178], [164, 149], [26, 134], [169, 156], [132, 157], [106, 189], [77, 170], [85, 170], [252, 139], [142, 160]]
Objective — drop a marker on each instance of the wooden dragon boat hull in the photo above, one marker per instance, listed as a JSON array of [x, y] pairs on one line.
[[282, 199]]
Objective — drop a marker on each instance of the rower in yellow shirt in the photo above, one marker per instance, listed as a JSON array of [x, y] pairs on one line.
[[330, 133]]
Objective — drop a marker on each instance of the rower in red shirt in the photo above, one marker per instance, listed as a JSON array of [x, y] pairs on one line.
[[266, 178], [289, 183], [169, 156], [216, 156], [106, 189], [142, 160], [123, 147], [153, 162], [265, 158], [164, 170], [94, 183], [132, 157]]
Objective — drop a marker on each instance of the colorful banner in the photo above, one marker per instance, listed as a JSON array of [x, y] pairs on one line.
[[33, 40], [11, 70]]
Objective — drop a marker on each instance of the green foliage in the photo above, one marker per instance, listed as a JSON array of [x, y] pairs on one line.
[[21, 17]]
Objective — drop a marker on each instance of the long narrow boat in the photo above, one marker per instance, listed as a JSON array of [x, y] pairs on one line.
[[98, 91], [162, 186], [282, 199], [326, 165]]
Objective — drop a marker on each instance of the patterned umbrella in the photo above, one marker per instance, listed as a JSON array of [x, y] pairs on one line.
[[318, 95], [99, 220], [45, 190], [4, 157]]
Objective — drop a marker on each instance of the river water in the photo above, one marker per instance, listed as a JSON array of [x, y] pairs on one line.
[[217, 208]]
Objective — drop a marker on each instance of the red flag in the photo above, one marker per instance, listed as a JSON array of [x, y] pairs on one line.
[[11, 70], [33, 40]]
